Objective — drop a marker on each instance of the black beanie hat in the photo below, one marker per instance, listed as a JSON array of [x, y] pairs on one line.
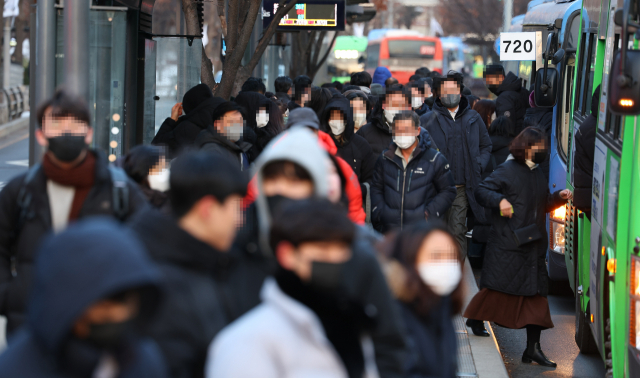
[[494, 69], [195, 96]]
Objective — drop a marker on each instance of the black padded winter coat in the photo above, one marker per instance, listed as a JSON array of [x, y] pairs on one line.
[[512, 101], [377, 131]]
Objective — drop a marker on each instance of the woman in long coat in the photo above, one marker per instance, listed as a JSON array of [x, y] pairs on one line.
[[514, 278]]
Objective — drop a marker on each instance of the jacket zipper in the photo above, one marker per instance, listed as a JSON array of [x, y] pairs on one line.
[[404, 178], [409, 185]]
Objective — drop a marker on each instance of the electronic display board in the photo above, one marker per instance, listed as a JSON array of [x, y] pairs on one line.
[[307, 15]]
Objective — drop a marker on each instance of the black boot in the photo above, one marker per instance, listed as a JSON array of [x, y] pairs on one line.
[[534, 353], [477, 326]]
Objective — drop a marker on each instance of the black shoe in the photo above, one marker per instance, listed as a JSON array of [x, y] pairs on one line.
[[534, 353], [477, 326]]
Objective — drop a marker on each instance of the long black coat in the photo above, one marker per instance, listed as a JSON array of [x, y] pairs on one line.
[[583, 169], [192, 312], [17, 253], [353, 148], [508, 268], [181, 134], [402, 196], [377, 131], [512, 101], [477, 144]]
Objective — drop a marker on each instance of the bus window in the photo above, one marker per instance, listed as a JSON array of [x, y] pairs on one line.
[[412, 49], [562, 129], [574, 33], [581, 58], [373, 55], [588, 80]]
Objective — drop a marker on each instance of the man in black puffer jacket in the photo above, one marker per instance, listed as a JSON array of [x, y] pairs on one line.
[[177, 133], [337, 121], [412, 181], [513, 99], [378, 131]]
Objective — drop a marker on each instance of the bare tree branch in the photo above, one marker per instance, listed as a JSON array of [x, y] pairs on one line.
[[232, 26], [223, 18], [325, 56]]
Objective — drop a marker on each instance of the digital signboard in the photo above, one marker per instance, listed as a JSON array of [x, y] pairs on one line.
[[307, 15]]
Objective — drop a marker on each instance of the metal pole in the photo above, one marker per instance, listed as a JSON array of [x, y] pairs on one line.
[[508, 11], [44, 57], [32, 82], [390, 14], [6, 54], [76, 47]]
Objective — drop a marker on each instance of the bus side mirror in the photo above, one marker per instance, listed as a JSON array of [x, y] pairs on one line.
[[558, 56], [624, 88], [546, 90]]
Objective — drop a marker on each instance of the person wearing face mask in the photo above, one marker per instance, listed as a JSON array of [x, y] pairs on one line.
[[192, 249], [461, 136], [337, 121], [418, 97], [263, 117], [301, 92], [513, 98], [225, 136], [361, 107], [424, 269], [514, 290], [378, 131], [412, 181], [541, 118], [94, 290], [72, 182], [148, 167]]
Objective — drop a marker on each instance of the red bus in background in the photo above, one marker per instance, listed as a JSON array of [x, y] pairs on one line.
[[404, 54]]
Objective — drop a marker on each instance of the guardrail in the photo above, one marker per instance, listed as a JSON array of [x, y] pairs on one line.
[[13, 102]]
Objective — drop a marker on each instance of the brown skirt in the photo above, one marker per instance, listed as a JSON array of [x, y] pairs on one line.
[[509, 311]]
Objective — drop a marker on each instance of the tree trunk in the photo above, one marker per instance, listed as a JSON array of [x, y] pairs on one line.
[[190, 10], [309, 59]]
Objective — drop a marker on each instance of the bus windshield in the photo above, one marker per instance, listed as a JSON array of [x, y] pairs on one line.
[[411, 49]]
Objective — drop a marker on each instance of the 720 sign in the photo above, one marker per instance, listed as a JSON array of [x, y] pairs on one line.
[[518, 46]]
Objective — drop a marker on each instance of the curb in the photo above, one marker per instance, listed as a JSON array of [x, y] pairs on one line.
[[17, 125], [485, 350]]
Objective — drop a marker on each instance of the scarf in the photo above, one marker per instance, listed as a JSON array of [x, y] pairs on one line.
[[81, 177]]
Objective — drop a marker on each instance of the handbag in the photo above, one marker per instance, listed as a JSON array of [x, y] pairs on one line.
[[527, 234]]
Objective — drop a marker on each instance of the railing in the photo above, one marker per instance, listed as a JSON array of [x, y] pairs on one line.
[[13, 102]]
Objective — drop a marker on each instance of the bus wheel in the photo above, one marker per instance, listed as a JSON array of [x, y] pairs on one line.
[[584, 337]]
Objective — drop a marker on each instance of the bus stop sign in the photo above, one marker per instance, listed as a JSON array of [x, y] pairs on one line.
[[518, 46]]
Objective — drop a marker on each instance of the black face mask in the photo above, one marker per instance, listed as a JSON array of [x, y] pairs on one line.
[[277, 202], [539, 157], [493, 88], [67, 147], [450, 100], [326, 276], [110, 335]]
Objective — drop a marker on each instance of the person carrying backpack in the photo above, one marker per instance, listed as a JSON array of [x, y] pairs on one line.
[[72, 182]]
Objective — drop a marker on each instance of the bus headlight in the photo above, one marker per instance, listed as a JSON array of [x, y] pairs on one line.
[[557, 237], [634, 303], [559, 214]]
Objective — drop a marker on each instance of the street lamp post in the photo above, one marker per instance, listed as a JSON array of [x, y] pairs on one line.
[[76, 47]]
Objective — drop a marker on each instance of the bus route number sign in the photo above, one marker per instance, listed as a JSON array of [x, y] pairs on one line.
[[518, 46]]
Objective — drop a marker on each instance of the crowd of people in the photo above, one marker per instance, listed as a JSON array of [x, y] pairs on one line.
[[312, 231]]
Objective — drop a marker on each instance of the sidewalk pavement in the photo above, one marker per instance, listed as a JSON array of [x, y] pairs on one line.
[[477, 356], [17, 125]]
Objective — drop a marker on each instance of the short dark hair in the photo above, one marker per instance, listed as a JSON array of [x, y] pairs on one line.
[[337, 85], [282, 84], [405, 115], [319, 99], [197, 174], [64, 104], [287, 169], [361, 95], [527, 138], [300, 84], [254, 84], [493, 69], [414, 78], [225, 108], [423, 72], [139, 161], [418, 84], [501, 126], [361, 79], [311, 220], [451, 76], [390, 82], [395, 89]]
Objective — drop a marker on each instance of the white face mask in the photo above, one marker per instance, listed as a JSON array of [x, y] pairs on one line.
[[416, 102], [234, 132], [404, 141], [430, 95], [159, 181], [337, 126], [390, 114], [359, 119], [262, 118], [441, 277], [493, 116]]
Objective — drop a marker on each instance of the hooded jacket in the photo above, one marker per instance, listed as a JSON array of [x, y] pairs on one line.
[[377, 131], [542, 118], [87, 262], [512, 101], [406, 195], [211, 140], [476, 148], [192, 313], [507, 267], [380, 75], [18, 246], [252, 102], [177, 135], [353, 148]]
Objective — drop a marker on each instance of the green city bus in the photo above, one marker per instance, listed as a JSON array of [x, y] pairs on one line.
[[347, 57], [602, 251]]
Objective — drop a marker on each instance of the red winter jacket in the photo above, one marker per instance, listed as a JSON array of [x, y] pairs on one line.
[[352, 189]]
